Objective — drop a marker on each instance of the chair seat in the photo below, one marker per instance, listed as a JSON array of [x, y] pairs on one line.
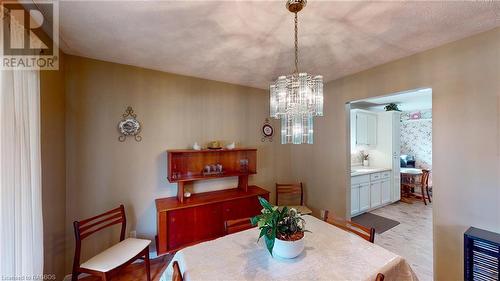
[[302, 209], [116, 255]]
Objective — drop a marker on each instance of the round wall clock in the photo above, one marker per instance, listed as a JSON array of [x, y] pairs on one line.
[[129, 126], [267, 131]]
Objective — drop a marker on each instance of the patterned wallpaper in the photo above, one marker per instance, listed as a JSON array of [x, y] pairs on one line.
[[416, 137]]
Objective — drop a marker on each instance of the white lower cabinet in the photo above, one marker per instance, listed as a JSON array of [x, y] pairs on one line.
[[364, 197], [375, 194], [386, 190], [355, 199], [370, 191]]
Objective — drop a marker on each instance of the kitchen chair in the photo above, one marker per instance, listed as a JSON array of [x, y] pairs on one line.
[[233, 226], [114, 258], [288, 191], [364, 232], [422, 184], [177, 275]]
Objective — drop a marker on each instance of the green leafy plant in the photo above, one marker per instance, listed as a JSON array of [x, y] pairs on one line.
[[273, 222], [391, 107]]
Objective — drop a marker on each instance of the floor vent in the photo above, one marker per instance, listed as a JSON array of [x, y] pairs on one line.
[[481, 255]]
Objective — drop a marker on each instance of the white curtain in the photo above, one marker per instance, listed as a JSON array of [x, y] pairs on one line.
[[21, 226]]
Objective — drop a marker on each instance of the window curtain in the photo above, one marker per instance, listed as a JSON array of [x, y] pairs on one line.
[[21, 226]]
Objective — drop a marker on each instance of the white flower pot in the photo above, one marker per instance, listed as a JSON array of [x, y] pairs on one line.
[[288, 249], [366, 163]]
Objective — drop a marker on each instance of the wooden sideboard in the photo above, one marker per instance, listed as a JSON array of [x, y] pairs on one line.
[[185, 221], [201, 217]]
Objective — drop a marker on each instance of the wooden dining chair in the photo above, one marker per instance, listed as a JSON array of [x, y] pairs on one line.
[[111, 260], [237, 225], [364, 232], [380, 277], [294, 192], [176, 275], [422, 184]]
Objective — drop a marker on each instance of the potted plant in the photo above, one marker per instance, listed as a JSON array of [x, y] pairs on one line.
[[365, 158], [391, 107], [282, 229]]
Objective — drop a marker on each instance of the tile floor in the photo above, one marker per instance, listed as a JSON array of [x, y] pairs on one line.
[[412, 238]]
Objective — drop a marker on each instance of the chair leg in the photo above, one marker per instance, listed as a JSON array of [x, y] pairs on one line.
[[428, 195], [423, 194], [74, 275], [104, 276], [146, 263]]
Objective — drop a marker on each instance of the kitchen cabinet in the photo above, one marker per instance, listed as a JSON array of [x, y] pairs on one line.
[[366, 128], [370, 191], [360, 194], [375, 194], [396, 181], [389, 147], [385, 186], [364, 197], [355, 199]]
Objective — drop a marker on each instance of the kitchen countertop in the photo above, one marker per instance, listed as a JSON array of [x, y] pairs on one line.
[[361, 170]]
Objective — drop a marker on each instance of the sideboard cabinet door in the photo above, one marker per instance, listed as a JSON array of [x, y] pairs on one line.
[[209, 223], [181, 229]]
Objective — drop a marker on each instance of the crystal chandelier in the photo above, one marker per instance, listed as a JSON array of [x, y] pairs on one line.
[[298, 97]]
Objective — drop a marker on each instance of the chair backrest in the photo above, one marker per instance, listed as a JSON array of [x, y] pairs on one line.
[[87, 227], [177, 275], [425, 177], [364, 232], [233, 226], [289, 189], [380, 277]]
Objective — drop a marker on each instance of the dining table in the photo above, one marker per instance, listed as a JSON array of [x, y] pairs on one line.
[[408, 175], [330, 253]]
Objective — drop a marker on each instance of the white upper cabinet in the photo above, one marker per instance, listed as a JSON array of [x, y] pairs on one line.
[[365, 130], [371, 129]]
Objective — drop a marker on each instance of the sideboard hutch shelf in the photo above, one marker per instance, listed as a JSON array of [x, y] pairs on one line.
[[187, 221], [186, 165]]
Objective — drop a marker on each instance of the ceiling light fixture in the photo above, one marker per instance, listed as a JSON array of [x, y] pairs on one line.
[[298, 97]]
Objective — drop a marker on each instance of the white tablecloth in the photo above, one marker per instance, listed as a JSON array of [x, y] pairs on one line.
[[330, 254], [412, 171]]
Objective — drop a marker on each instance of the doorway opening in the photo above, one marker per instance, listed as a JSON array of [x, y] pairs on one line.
[[391, 173]]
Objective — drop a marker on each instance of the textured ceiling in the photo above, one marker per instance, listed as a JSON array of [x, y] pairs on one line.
[[251, 43]]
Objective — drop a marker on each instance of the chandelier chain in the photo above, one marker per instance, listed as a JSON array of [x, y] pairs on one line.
[[296, 44]]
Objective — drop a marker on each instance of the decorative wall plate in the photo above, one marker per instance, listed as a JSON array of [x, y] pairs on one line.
[[129, 126], [267, 131]]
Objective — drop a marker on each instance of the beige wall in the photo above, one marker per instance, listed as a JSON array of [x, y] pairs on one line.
[[52, 105], [175, 111], [465, 79]]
